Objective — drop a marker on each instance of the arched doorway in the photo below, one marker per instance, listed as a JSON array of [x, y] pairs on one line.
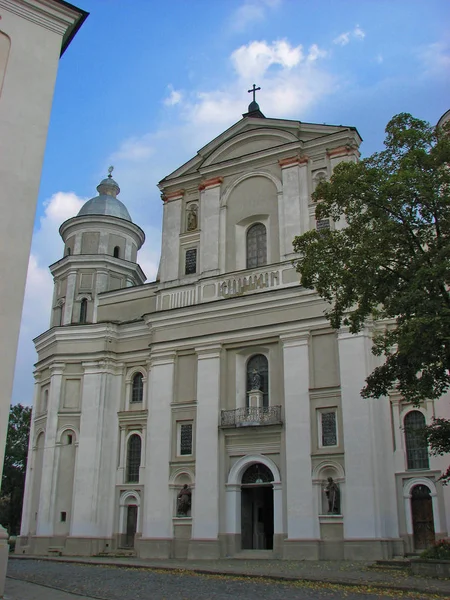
[[422, 517], [129, 518], [257, 512]]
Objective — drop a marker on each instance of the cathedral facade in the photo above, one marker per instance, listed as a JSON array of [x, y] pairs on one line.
[[215, 412]]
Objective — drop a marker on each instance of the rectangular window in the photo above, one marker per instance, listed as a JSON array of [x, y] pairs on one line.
[[190, 261], [69, 439], [327, 428], [185, 439], [63, 517]]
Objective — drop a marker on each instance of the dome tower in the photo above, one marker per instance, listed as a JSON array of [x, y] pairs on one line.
[[100, 253]]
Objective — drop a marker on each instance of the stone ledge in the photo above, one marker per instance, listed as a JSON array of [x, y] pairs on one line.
[[430, 567]]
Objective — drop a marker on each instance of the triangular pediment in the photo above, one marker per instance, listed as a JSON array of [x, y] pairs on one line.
[[249, 136]]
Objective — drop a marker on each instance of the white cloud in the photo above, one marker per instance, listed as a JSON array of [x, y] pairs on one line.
[[435, 59], [134, 148], [174, 97], [251, 12], [344, 38], [254, 59]]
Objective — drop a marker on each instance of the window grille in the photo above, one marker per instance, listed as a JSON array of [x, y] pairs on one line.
[[133, 459], [329, 430], [416, 445], [185, 439], [323, 224], [190, 262], [256, 246], [259, 363], [137, 390], [257, 473]]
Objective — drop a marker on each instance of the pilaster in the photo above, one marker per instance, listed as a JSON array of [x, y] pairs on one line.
[[293, 205], [170, 252], [157, 523], [48, 483], [370, 480], [302, 520], [70, 297], [210, 226], [205, 509]]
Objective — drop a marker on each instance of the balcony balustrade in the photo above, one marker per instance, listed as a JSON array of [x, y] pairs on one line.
[[251, 417]]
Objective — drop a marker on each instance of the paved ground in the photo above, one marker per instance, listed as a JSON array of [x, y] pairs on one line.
[[107, 582]]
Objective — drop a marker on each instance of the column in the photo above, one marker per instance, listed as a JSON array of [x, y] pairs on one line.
[[157, 521], [88, 468], [49, 466], [101, 285], [209, 226], [205, 508], [70, 297], [302, 520], [293, 205]]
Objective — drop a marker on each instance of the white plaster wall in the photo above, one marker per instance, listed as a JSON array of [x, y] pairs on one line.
[[25, 103], [170, 251]]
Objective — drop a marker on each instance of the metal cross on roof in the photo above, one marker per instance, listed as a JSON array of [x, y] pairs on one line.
[[254, 90], [110, 170]]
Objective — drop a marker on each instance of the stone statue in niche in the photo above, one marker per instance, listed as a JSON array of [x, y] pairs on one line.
[[333, 496], [184, 501], [256, 380], [192, 218]]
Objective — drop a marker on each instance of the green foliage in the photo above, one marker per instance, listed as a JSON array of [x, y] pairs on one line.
[[439, 551], [390, 263], [14, 468]]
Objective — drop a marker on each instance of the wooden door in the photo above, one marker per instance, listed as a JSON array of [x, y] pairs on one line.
[[422, 517], [131, 525]]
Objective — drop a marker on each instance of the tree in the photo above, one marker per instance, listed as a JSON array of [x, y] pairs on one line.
[[13, 481], [390, 263]]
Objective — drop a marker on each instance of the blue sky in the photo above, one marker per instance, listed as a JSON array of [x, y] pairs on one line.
[[145, 84]]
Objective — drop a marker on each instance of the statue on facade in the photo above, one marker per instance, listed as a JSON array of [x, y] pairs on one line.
[[184, 501], [256, 380], [333, 495], [192, 220]]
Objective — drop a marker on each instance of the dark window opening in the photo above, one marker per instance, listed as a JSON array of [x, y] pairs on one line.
[[133, 459], [69, 439], [116, 252], [63, 517], [190, 262], [68, 252], [83, 311], [415, 441], [137, 390], [258, 365], [256, 246]]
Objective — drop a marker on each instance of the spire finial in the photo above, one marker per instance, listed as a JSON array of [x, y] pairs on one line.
[[254, 90], [110, 170]]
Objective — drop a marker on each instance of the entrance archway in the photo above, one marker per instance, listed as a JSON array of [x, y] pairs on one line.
[[257, 508], [422, 517], [129, 519]]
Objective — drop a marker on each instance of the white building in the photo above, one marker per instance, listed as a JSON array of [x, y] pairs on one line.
[[33, 35], [223, 375]]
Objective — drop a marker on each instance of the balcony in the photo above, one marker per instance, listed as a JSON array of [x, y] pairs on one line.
[[251, 417]]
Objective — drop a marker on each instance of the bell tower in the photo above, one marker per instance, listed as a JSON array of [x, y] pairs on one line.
[[100, 254]]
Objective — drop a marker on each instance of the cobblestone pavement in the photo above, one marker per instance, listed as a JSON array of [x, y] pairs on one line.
[[119, 583]]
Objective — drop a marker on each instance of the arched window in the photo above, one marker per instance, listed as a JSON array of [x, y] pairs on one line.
[[416, 445], [256, 246], [258, 364], [83, 310], [137, 388], [133, 459], [116, 252]]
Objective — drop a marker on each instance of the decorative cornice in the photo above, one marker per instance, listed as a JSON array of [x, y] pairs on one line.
[[209, 183], [54, 16], [343, 151], [293, 161], [172, 196]]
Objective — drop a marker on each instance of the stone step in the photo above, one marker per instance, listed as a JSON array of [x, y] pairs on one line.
[[393, 563], [254, 554]]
